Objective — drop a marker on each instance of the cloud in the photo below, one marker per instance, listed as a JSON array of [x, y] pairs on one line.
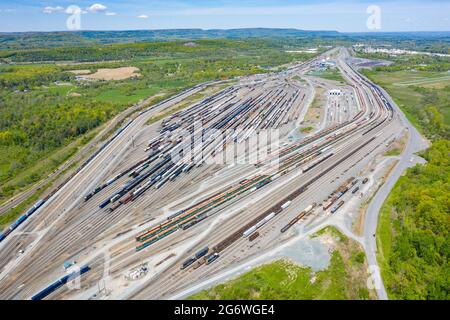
[[110, 13], [96, 7], [50, 10], [143, 16], [74, 10]]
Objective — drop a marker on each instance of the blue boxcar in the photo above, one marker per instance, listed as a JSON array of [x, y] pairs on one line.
[[13, 226], [104, 203], [2, 236], [30, 211], [59, 283], [22, 219]]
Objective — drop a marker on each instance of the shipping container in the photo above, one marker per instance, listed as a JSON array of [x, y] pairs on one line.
[[104, 203], [336, 208]]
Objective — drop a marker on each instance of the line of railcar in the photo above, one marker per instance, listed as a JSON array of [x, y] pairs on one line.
[[302, 214], [276, 209], [59, 283], [243, 107], [21, 219], [155, 236], [201, 254]]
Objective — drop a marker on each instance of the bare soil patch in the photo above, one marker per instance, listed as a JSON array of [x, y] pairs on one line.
[[107, 74]]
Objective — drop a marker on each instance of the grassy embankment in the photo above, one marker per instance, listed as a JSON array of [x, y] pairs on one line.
[[344, 278]]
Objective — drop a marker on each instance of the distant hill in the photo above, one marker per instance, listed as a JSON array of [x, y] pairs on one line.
[[27, 40], [35, 40]]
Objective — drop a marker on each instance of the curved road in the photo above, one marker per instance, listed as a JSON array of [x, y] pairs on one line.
[[408, 159]]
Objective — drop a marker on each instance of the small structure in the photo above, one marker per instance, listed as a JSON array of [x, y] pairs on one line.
[[68, 264], [335, 92]]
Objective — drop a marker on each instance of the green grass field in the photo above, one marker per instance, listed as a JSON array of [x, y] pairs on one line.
[[419, 98], [329, 74], [124, 97], [345, 278]]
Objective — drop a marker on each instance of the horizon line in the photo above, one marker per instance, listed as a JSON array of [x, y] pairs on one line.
[[224, 29]]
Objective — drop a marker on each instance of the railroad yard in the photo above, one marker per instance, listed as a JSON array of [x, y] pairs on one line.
[[167, 203]]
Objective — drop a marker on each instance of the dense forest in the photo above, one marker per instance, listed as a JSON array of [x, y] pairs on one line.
[[414, 226], [152, 50]]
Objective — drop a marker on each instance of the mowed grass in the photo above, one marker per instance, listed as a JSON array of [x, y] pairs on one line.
[[122, 96], [61, 89], [345, 278], [420, 92], [329, 74]]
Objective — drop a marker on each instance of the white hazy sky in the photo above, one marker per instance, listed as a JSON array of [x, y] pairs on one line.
[[345, 16]]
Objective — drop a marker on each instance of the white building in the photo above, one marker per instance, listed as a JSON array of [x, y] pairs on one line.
[[335, 92]]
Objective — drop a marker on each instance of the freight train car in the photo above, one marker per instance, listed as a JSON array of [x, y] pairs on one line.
[[59, 283], [336, 208], [253, 236], [22, 218], [212, 257]]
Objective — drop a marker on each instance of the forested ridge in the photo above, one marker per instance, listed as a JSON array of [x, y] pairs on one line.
[[416, 246]]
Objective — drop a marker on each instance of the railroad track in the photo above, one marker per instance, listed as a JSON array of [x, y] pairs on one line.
[[89, 225]]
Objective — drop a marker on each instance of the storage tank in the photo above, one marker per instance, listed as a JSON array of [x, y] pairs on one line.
[[286, 204], [249, 231], [270, 216]]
